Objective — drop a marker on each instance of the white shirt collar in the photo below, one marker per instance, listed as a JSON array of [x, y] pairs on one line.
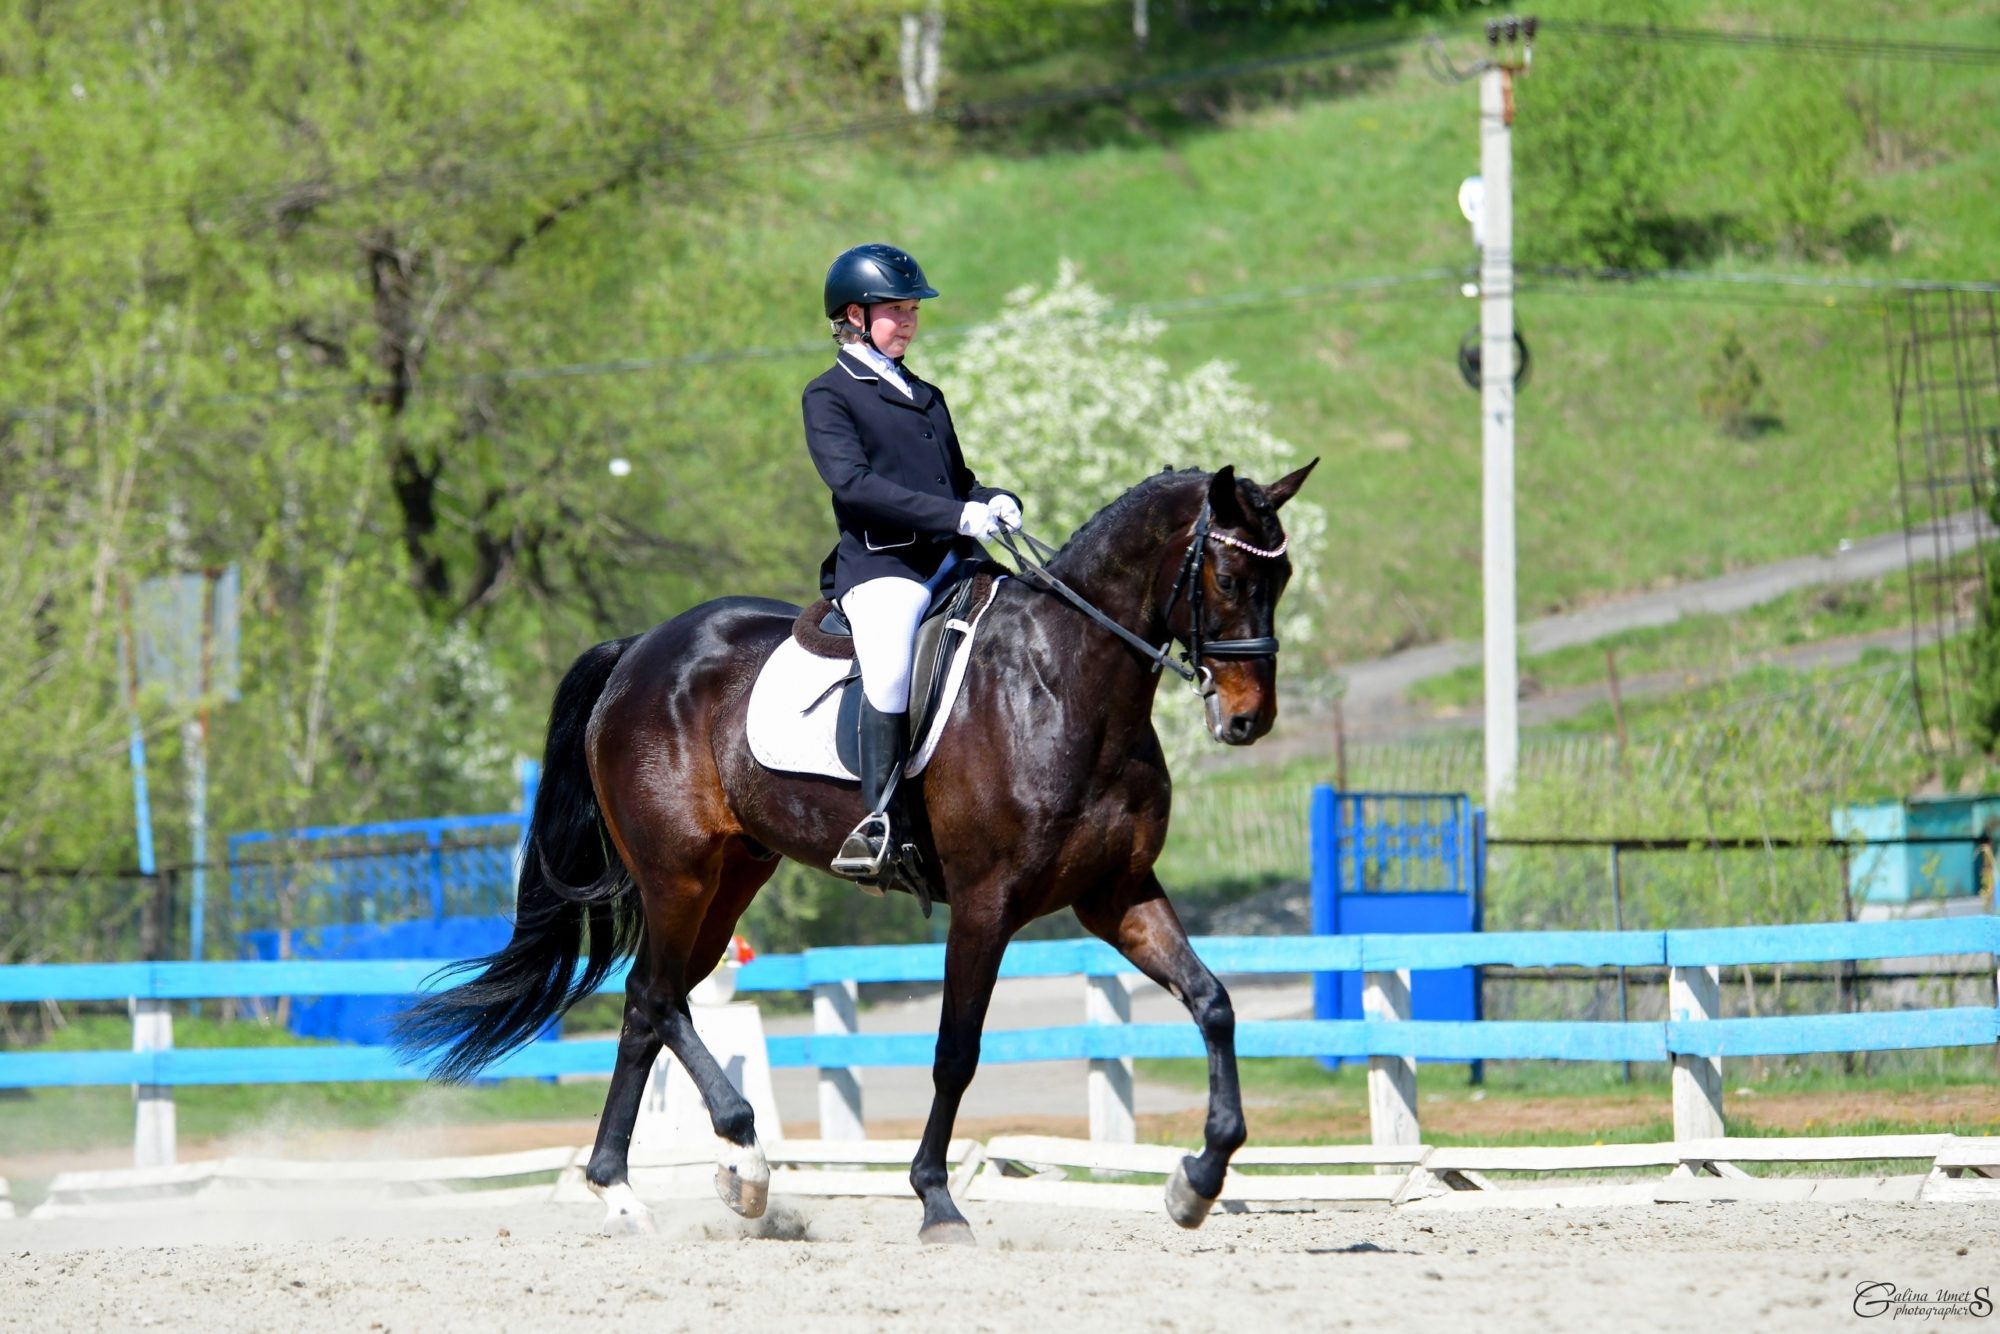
[[873, 359]]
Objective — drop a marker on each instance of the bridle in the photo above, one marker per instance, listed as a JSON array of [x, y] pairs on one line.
[[1033, 565], [1263, 646]]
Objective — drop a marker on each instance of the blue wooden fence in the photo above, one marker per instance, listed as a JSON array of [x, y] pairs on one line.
[[1451, 1040]]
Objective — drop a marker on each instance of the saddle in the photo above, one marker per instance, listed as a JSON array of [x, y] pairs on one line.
[[822, 631]]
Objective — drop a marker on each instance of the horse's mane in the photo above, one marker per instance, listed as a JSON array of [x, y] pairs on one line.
[[1144, 494], [1135, 498]]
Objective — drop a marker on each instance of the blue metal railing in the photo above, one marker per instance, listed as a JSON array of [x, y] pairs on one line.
[[391, 871], [1449, 1040]]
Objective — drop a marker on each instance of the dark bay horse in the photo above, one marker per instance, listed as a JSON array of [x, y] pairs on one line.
[[654, 827]]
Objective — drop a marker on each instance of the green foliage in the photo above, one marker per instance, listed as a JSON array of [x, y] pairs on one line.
[[1734, 397], [1982, 657], [262, 266], [1597, 145], [1803, 159]]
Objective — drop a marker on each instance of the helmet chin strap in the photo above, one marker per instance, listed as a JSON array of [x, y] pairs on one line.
[[867, 335]]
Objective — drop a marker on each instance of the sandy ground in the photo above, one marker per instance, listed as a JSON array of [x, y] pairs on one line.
[[855, 1265]]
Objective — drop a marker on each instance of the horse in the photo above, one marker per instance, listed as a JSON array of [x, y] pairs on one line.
[[654, 827]]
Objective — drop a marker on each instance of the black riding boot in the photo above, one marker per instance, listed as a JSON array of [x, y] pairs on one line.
[[866, 855]]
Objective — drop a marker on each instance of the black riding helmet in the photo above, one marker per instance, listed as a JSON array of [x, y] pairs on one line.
[[867, 274]]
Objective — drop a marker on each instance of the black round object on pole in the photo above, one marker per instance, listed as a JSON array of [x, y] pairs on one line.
[[1468, 359]]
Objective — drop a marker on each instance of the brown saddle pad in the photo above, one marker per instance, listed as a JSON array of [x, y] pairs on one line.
[[823, 645], [817, 641]]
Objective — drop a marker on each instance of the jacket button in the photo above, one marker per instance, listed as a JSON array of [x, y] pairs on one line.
[[940, 480], [927, 435]]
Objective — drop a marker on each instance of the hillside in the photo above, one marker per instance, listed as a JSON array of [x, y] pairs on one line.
[[1220, 197]]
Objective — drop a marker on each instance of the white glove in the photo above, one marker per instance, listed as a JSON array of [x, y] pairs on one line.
[[1005, 510], [977, 520]]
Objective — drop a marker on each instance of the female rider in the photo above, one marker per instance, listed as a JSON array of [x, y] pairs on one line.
[[907, 507]]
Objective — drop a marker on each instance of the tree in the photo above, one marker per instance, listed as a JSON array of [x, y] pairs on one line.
[[264, 278]]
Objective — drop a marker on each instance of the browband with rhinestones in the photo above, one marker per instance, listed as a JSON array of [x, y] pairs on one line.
[[1241, 545]]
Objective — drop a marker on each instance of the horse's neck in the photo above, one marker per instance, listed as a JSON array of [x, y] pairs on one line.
[[1115, 563]]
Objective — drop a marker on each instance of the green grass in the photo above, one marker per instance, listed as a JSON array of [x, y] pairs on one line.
[[1912, 1073], [1698, 648], [1288, 1095]]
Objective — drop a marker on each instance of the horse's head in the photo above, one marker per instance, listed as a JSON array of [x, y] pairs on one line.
[[1224, 604]]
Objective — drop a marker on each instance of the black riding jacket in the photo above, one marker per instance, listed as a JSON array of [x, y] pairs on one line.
[[899, 482]]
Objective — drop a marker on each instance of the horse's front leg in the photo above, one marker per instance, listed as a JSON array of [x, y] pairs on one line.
[[971, 965], [1139, 921]]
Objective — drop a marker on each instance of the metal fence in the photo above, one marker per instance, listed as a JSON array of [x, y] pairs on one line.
[[391, 871]]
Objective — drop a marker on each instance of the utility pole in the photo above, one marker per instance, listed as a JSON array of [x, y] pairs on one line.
[[1511, 43]]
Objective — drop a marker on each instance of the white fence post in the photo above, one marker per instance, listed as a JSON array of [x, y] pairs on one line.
[[153, 1122], [840, 1088], [1107, 1000], [1694, 994], [1392, 1080]]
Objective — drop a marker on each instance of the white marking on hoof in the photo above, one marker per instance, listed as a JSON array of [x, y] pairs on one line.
[[1184, 1206], [950, 1233], [743, 1178], [624, 1216]]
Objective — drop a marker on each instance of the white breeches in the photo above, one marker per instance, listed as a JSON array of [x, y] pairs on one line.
[[884, 614]]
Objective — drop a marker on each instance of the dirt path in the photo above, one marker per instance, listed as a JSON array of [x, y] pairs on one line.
[[855, 1265], [1376, 708]]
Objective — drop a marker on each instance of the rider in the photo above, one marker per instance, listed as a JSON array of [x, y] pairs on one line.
[[907, 507]]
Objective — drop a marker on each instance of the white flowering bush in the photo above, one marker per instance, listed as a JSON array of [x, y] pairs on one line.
[[1065, 402]]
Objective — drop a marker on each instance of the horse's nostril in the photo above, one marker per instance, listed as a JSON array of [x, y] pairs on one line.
[[1241, 726]]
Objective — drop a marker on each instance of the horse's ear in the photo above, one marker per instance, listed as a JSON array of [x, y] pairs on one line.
[[1222, 499], [1288, 486]]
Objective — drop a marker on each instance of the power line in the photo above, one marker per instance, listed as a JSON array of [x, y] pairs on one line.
[[1637, 292], [1599, 283], [1802, 43], [1856, 283], [1187, 307]]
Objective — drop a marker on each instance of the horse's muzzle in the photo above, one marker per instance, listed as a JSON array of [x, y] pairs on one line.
[[1240, 730]]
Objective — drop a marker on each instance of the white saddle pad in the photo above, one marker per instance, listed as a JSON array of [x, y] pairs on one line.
[[794, 707]]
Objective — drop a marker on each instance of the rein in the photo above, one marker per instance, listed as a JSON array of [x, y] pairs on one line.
[[1033, 565]]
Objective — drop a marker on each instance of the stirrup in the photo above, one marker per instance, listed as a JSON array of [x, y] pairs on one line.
[[864, 857]]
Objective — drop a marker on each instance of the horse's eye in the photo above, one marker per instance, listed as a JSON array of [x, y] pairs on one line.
[[1225, 583]]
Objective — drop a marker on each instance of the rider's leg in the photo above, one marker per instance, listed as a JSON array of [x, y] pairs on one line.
[[884, 614]]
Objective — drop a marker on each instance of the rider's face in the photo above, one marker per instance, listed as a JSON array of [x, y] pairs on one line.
[[892, 324]]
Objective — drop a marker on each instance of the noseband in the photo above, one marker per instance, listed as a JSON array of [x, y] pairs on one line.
[[1033, 565], [1263, 646]]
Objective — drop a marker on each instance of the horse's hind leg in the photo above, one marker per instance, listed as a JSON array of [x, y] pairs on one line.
[[607, 1174], [1139, 921], [743, 1176], [689, 918]]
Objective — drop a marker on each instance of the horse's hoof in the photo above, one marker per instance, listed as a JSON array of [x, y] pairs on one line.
[[624, 1216], [1184, 1205], [951, 1232], [743, 1179]]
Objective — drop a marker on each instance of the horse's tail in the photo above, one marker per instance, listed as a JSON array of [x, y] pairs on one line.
[[574, 900]]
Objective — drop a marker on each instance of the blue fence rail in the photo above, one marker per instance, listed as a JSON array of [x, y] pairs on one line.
[[1450, 1040]]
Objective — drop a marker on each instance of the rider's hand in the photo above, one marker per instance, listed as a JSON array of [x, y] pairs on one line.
[[978, 520], [1006, 510]]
